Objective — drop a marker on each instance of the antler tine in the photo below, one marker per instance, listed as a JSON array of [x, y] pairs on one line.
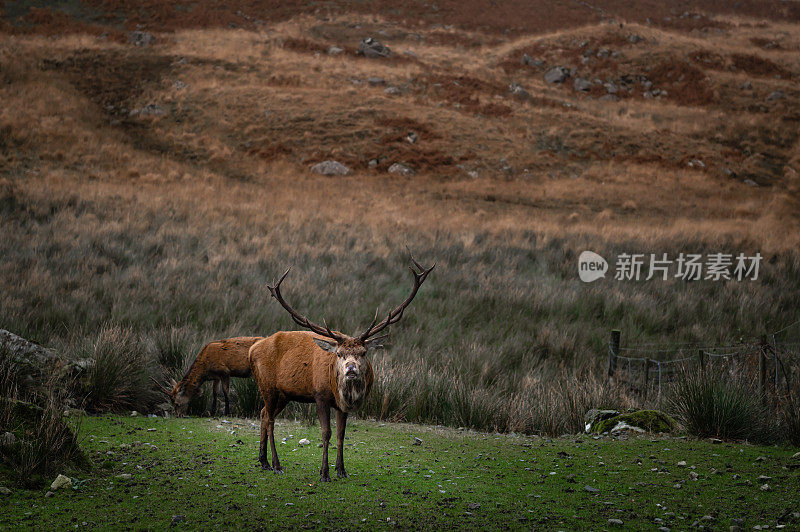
[[161, 387], [395, 315], [417, 264], [299, 318]]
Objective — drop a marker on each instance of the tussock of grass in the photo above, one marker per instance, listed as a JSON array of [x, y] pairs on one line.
[[118, 378], [709, 404]]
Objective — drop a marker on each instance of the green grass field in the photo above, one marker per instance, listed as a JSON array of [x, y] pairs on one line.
[[205, 471]]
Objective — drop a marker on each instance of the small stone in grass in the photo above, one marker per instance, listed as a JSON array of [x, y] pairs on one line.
[[765, 487], [682, 463], [615, 522]]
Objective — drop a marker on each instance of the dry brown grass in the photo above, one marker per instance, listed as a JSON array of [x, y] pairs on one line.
[[255, 107], [145, 222]]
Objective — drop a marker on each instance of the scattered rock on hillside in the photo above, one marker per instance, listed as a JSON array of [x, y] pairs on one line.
[[750, 182], [373, 49], [180, 85], [335, 50], [556, 75], [412, 137], [610, 87], [417, 441], [4, 491], [609, 98], [400, 168], [634, 38], [375, 81], [590, 489], [530, 61], [615, 522], [303, 442], [151, 109], [777, 95], [330, 168], [61, 481], [141, 38], [49, 494], [393, 91], [746, 86], [516, 90], [581, 85]]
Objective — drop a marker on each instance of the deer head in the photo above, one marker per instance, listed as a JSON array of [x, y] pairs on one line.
[[351, 361], [177, 396]]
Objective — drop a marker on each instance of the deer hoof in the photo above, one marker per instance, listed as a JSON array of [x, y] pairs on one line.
[[324, 478], [341, 474], [277, 470]]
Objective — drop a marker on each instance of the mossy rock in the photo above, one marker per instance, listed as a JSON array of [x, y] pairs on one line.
[[647, 420], [596, 415]]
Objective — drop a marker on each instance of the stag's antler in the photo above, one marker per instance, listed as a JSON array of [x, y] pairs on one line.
[[395, 315], [300, 319]]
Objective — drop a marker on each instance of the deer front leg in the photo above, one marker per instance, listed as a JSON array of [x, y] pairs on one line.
[[226, 386], [341, 424], [324, 413], [214, 387], [262, 451], [273, 409]]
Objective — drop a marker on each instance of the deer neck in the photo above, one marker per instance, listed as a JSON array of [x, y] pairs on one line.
[[192, 380]]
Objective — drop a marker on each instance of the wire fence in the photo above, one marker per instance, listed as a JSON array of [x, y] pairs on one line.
[[647, 367]]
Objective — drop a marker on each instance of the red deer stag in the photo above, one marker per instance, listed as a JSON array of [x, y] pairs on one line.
[[217, 361], [325, 367]]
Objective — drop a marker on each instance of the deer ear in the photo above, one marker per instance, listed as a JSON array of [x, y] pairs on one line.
[[377, 343], [327, 346]]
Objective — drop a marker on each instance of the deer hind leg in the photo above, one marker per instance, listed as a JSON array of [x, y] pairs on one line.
[[262, 451], [226, 386], [273, 409], [341, 424], [214, 388], [324, 413]]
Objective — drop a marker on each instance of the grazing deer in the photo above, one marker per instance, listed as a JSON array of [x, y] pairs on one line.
[[217, 361], [325, 367]]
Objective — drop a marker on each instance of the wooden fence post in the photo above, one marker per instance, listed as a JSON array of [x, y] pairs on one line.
[[702, 358], [646, 376], [613, 353], [762, 363]]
